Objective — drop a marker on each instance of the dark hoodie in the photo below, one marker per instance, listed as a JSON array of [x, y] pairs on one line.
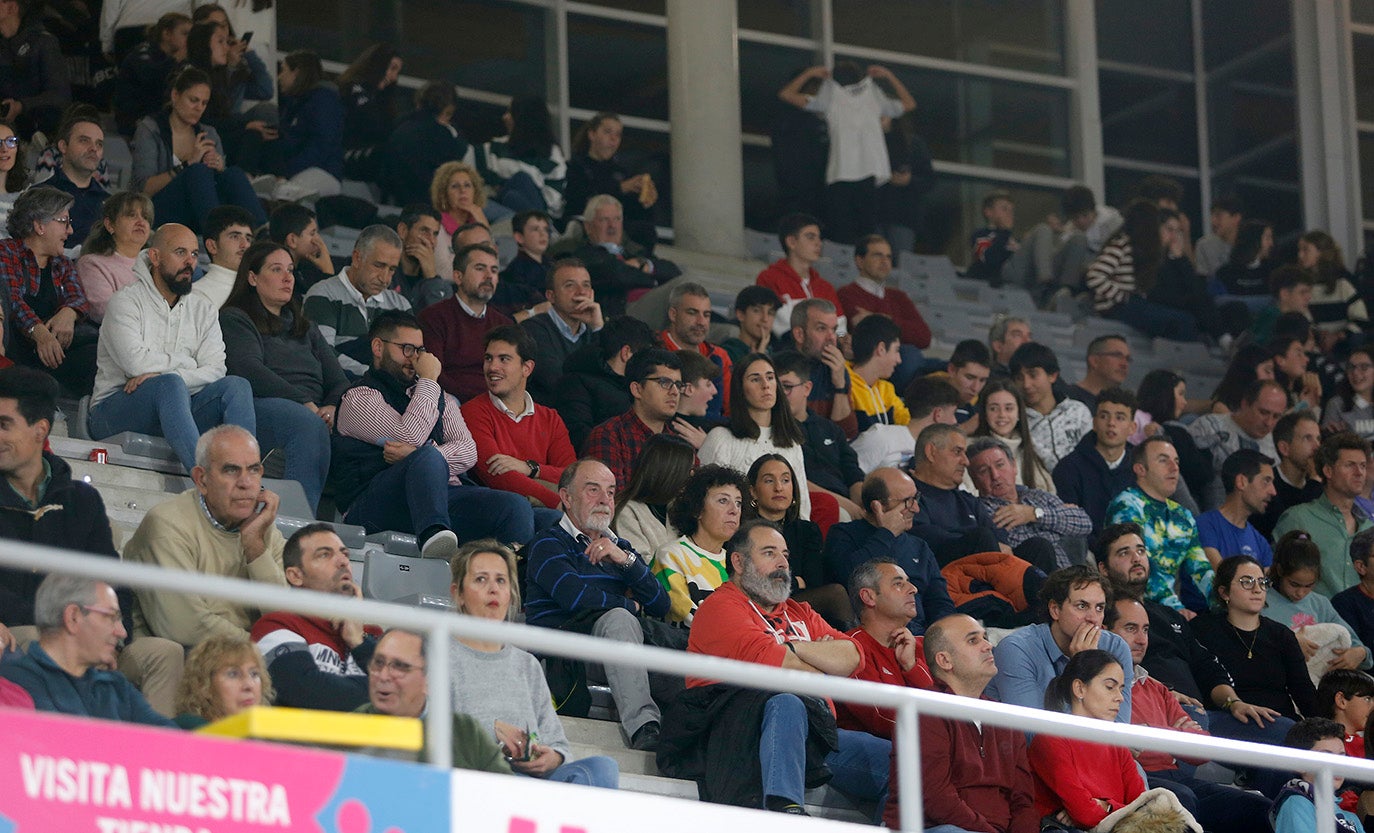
[[589, 394], [1084, 479], [32, 69]]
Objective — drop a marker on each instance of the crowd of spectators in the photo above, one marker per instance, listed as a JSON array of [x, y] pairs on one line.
[[811, 492]]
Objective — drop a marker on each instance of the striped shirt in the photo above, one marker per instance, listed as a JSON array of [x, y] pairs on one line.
[[364, 415]]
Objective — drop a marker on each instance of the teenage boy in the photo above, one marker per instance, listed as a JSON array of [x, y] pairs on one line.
[[1056, 424], [756, 308], [1214, 249], [1356, 604], [877, 354], [794, 278]]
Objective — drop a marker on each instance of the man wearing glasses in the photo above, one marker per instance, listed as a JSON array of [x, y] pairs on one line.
[[80, 627], [402, 452], [890, 503], [1109, 363], [655, 378], [397, 685]]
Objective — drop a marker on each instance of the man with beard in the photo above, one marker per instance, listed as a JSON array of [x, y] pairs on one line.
[[160, 362], [81, 143], [583, 578], [454, 328], [317, 663], [776, 739], [1173, 657], [401, 451], [1225, 531], [689, 320]]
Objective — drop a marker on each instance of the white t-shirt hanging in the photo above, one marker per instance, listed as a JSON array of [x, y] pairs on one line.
[[853, 115]]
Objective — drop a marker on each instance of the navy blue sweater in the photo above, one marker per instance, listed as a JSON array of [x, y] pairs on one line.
[[1083, 479], [563, 582], [850, 544]]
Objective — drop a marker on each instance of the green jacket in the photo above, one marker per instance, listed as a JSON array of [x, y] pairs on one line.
[[1323, 521], [473, 746]]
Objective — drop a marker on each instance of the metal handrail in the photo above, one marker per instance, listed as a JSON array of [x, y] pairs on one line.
[[443, 626]]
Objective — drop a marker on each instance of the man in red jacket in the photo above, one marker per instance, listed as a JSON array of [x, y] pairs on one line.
[[886, 601], [972, 777]]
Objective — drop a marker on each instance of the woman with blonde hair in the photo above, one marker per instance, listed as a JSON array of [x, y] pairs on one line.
[[459, 194], [223, 676]]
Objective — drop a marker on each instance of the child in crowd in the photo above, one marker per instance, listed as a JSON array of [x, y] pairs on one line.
[[1295, 809]]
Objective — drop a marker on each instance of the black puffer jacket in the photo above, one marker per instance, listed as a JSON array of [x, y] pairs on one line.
[[589, 394], [71, 515]]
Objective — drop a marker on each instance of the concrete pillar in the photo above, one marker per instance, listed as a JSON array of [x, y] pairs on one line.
[[703, 97], [1085, 112]]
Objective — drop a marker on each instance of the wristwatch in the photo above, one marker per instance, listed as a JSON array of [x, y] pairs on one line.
[[1039, 514], [534, 468]]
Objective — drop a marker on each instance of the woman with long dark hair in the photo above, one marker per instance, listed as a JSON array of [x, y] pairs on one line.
[[1163, 398], [371, 101], [179, 162], [295, 376], [775, 495], [1078, 782], [1247, 270], [760, 422], [1352, 406], [1124, 275], [1002, 414], [527, 165], [1250, 363], [312, 121], [641, 508], [1336, 306], [207, 49]]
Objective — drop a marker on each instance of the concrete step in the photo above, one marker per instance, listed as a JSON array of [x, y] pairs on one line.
[[658, 785]]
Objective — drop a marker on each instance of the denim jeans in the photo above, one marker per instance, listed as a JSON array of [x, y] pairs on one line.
[[859, 767], [195, 192], [1156, 320], [413, 495], [1217, 807], [522, 193], [1223, 725], [596, 771], [300, 435], [162, 405]]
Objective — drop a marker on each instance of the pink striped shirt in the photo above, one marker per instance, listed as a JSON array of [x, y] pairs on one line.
[[364, 415]]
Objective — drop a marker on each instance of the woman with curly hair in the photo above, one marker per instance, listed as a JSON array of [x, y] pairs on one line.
[[371, 102], [223, 676], [707, 513], [458, 192]]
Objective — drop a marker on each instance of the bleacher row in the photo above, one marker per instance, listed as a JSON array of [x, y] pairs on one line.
[[141, 471]]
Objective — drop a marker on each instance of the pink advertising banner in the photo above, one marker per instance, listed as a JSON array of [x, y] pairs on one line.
[[73, 775]]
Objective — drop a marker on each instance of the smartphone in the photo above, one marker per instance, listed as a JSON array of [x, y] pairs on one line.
[[247, 36]]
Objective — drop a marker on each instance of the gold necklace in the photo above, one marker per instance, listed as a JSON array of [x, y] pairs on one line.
[[1249, 649]]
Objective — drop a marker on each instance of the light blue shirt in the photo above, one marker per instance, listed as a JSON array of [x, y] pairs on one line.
[[1029, 659]]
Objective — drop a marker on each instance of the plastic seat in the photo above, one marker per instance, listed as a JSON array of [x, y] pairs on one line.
[[397, 578]]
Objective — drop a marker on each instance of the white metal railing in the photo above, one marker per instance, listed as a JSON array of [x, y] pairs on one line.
[[442, 626]]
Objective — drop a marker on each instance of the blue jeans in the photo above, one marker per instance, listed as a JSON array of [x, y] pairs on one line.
[[1156, 320], [521, 193], [195, 192], [301, 436], [496, 212], [413, 495], [859, 767], [596, 771], [1221, 724], [162, 405], [945, 828], [1217, 807]]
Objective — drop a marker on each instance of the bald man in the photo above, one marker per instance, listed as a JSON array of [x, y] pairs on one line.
[[889, 500], [160, 364]]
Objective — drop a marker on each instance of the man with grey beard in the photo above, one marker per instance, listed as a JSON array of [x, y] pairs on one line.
[[774, 740], [582, 577]]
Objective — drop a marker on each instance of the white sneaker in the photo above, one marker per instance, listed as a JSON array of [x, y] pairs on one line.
[[442, 544]]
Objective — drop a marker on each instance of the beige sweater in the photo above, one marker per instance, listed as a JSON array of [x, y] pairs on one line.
[[177, 535]]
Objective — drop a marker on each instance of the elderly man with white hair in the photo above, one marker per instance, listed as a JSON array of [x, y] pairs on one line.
[[617, 264], [225, 526]]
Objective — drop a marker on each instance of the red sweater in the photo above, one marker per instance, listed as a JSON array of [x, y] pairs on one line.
[[541, 437], [972, 779], [1153, 705], [880, 666], [1071, 774], [455, 339], [716, 355], [728, 624], [787, 284], [895, 304]]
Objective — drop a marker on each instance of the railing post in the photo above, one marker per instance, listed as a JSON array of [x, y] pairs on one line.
[[1325, 801], [439, 707], [908, 745]]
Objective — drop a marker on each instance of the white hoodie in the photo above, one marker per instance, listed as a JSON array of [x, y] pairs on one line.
[[142, 334]]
